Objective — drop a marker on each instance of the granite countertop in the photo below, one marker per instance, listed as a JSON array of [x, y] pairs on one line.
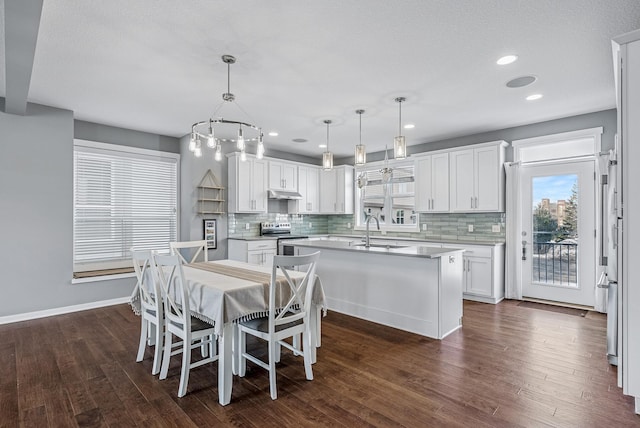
[[357, 246]]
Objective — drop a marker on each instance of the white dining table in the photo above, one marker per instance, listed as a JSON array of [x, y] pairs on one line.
[[240, 293]]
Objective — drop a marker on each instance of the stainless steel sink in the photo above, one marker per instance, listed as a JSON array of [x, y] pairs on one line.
[[387, 246]]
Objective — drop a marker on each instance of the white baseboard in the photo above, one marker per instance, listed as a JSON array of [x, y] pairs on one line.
[[64, 310]]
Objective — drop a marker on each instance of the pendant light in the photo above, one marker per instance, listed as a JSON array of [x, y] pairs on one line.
[[327, 157], [361, 152], [399, 143]]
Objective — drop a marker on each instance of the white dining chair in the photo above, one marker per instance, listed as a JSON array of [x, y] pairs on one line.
[[180, 323], [151, 307], [288, 319], [184, 247]]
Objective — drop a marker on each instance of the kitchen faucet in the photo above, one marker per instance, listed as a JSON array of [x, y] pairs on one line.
[[367, 221]]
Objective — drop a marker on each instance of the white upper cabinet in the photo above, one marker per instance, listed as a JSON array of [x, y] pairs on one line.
[[336, 190], [247, 184], [432, 183], [283, 176], [308, 186], [476, 178]]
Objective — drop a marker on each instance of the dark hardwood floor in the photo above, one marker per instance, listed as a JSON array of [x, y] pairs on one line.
[[508, 366]]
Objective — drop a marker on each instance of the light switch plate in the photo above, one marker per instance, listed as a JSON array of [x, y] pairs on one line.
[[470, 227], [247, 226], [310, 224], [424, 226], [495, 228], [348, 225]]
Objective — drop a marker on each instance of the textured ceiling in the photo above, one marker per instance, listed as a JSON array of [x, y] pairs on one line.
[[154, 65]]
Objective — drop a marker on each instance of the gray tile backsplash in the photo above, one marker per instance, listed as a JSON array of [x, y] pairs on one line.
[[444, 226]]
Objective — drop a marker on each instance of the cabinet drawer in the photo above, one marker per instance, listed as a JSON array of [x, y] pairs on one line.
[[261, 245], [477, 252]]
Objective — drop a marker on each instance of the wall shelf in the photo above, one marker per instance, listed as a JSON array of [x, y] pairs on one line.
[[210, 195]]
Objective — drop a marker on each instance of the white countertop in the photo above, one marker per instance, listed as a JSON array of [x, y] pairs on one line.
[[357, 246]]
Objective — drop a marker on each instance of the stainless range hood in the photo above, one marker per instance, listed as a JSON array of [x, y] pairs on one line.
[[283, 194]]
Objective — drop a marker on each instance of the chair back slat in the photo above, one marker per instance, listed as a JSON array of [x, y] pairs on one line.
[[301, 289], [174, 291], [147, 281], [198, 246]]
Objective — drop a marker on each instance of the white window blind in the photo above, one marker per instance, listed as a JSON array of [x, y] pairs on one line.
[[123, 198]]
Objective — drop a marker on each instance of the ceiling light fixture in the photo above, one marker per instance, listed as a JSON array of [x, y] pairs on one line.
[[361, 151], [534, 97], [327, 156], [273, 134], [409, 126], [205, 129], [399, 143], [507, 59]]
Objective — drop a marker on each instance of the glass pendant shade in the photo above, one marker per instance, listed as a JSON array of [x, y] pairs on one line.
[[327, 161], [260, 148], [243, 156], [218, 155], [399, 147], [360, 155], [327, 157], [240, 140], [198, 150], [399, 143]]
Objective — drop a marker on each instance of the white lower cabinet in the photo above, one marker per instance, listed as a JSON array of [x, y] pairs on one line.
[[483, 273], [257, 252]]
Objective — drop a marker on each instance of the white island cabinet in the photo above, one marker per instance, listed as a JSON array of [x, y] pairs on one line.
[[413, 288]]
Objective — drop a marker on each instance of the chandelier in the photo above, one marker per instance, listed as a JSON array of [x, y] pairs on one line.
[[205, 130]]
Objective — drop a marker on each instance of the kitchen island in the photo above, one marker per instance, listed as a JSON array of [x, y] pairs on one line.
[[413, 288]]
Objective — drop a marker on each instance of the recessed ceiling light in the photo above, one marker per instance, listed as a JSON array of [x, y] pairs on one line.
[[322, 146], [507, 59], [521, 81], [409, 126], [273, 134], [534, 97]]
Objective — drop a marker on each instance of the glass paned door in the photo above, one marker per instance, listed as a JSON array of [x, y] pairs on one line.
[[558, 236]]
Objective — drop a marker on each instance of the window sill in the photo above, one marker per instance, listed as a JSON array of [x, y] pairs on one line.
[[104, 275]]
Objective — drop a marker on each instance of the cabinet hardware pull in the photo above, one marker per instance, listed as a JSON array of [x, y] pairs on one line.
[[472, 202], [476, 199]]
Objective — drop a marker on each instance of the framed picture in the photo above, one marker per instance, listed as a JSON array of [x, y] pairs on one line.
[[209, 233]]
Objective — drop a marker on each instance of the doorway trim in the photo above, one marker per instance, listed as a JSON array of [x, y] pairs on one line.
[[584, 143]]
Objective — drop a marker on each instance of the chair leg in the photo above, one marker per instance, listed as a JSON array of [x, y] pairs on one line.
[[166, 358], [278, 351], [186, 362], [143, 338], [157, 354], [308, 343], [273, 346], [151, 339], [241, 349]]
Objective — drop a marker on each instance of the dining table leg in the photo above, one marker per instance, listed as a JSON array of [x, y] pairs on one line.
[[225, 364]]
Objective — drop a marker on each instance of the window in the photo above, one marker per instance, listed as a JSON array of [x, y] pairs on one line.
[[388, 194], [123, 198]]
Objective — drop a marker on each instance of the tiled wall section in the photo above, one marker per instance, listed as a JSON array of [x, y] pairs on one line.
[[445, 226], [300, 224]]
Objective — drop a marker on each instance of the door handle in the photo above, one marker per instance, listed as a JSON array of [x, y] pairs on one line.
[[524, 250]]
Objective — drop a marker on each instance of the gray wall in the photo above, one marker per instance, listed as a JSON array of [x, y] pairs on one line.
[[36, 210], [36, 200], [606, 119]]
